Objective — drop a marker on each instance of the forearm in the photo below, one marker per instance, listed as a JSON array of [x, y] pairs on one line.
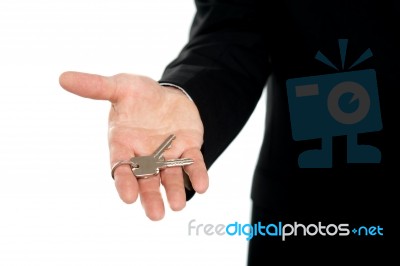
[[223, 68]]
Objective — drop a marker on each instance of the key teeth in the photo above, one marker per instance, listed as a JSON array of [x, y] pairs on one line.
[[178, 162], [167, 144]]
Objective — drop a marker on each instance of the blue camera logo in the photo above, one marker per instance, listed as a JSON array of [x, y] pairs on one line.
[[344, 103]]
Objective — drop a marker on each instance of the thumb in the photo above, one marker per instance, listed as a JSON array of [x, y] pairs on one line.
[[88, 85]]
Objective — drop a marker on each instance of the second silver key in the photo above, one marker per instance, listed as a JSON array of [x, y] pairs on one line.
[[145, 166]]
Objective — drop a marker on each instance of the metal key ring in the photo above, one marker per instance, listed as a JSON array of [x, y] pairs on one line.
[[119, 163]]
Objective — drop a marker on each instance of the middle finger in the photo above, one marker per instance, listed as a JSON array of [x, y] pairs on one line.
[[150, 197]]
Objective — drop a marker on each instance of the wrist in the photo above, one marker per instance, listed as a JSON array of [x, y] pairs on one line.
[[176, 89]]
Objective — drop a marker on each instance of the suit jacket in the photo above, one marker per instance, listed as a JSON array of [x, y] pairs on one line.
[[328, 67]]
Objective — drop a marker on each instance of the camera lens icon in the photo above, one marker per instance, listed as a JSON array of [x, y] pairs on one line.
[[338, 104], [359, 95], [334, 104]]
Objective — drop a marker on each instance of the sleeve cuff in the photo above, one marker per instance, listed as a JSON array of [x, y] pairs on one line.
[[177, 87]]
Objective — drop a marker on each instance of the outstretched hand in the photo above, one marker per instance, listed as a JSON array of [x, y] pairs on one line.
[[142, 115]]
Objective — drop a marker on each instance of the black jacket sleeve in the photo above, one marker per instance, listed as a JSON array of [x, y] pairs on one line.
[[223, 67]]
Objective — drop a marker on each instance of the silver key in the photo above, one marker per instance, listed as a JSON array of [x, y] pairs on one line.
[[165, 145], [145, 166]]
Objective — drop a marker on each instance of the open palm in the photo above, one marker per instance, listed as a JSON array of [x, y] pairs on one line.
[[142, 115]]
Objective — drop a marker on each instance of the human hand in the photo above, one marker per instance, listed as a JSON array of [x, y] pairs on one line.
[[142, 115]]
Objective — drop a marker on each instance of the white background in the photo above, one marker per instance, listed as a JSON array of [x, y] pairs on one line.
[[58, 204]]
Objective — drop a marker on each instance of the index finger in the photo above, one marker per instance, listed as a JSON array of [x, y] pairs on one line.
[[125, 182]]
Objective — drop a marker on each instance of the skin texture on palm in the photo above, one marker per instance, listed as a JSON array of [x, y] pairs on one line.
[[142, 114]]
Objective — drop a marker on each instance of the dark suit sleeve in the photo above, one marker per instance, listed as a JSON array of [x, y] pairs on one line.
[[223, 67]]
